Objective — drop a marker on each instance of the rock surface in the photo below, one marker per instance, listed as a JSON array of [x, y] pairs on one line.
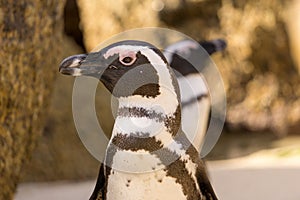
[[102, 19], [262, 81], [31, 41], [60, 155], [258, 70]]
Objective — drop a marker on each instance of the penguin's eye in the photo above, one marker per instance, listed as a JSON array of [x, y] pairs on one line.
[[127, 60]]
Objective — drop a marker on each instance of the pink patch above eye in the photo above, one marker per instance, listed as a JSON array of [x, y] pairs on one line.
[[129, 54], [123, 51]]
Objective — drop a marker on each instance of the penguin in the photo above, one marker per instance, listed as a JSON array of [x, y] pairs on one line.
[[148, 155], [195, 97]]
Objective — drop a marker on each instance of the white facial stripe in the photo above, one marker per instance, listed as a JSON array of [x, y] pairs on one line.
[[192, 86], [123, 50], [160, 66]]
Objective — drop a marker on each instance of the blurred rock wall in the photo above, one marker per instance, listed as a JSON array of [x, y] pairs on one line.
[[262, 80], [102, 19], [293, 25], [258, 70], [60, 155], [31, 39]]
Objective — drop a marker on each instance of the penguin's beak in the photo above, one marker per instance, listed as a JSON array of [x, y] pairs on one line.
[[91, 64]]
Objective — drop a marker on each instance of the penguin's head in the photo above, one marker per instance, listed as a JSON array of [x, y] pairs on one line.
[[126, 68]]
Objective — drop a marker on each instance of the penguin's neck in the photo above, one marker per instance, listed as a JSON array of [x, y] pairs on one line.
[[148, 116], [142, 127]]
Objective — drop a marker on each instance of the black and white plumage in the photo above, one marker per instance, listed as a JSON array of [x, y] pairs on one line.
[[195, 98], [147, 136]]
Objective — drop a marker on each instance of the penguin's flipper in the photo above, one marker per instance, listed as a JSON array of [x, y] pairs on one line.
[[204, 183], [98, 191]]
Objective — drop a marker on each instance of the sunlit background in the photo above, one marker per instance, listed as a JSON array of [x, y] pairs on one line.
[[258, 153]]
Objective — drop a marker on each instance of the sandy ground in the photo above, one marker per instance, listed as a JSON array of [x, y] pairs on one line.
[[257, 178]]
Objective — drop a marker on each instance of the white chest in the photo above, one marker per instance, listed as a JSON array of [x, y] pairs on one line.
[[143, 186]]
